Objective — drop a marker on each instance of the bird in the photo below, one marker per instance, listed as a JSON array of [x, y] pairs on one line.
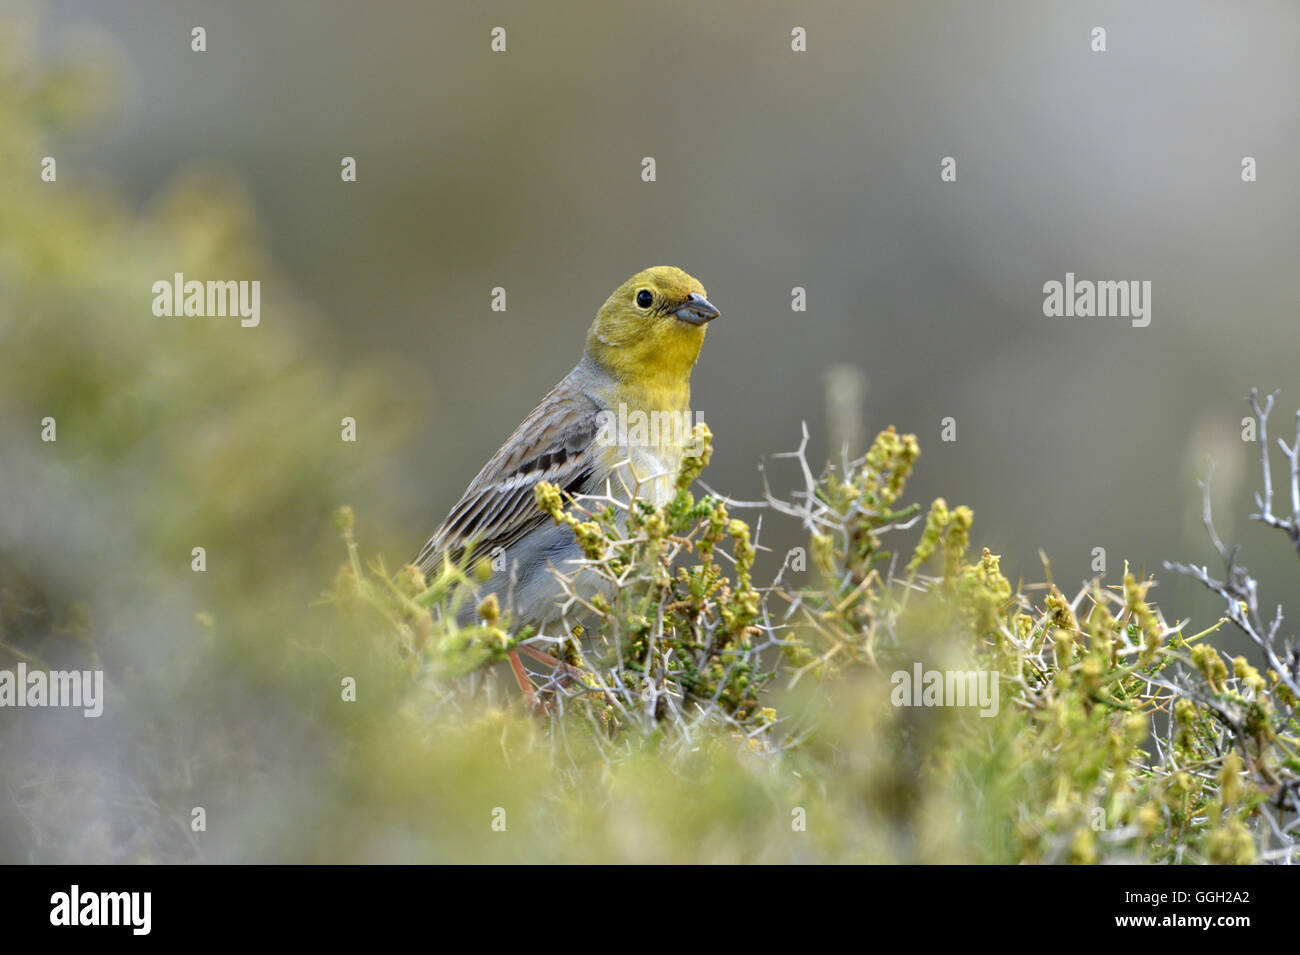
[[635, 367]]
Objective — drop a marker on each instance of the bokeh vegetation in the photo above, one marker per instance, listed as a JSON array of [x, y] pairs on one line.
[[706, 717], [1115, 736]]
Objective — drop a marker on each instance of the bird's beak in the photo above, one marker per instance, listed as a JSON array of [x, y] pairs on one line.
[[697, 310]]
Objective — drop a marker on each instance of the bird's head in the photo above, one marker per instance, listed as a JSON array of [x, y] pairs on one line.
[[652, 327]]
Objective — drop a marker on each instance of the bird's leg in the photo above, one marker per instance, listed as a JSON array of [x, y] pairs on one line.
[[521, 677], [542, 656], [570, 672]]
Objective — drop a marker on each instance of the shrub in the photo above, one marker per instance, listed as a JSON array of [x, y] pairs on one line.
[[1110, 735]]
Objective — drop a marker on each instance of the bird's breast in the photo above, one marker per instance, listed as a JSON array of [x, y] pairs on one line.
[[643, 450]]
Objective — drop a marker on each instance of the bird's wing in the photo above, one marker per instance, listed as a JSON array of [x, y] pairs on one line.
[[555, 443]]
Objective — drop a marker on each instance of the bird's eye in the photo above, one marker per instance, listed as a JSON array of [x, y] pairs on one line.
[[644, 299]]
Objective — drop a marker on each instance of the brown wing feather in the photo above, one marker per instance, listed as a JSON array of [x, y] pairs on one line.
[[555, 443]]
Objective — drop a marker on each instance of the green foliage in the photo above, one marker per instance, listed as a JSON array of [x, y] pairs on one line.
[[171, 434], [1107, 742]]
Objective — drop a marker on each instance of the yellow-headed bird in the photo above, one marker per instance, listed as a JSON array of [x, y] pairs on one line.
[[620, 415]]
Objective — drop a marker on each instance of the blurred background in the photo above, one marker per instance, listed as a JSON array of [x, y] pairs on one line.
[[522, 169], [775, 169]]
